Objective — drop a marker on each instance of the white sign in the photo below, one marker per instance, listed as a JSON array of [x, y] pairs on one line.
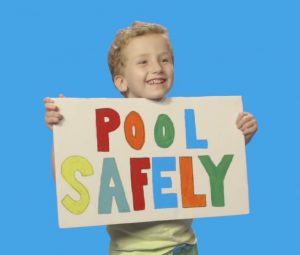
[[135, 160]]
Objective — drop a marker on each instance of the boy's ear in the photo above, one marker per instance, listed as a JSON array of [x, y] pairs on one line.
[[120, 83]]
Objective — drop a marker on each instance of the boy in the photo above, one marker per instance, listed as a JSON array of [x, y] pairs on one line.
[[141, 62]]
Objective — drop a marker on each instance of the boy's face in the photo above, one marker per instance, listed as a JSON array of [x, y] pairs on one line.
[[148, 70]]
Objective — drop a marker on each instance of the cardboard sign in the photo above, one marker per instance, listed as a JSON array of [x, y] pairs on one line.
[[136, 160]]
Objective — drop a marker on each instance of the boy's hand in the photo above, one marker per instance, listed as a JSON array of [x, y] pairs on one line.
[[52, 116], [246, 122]]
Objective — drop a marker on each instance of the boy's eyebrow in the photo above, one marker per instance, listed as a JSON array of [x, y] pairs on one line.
[[165, 52], [142, 55], [145, 55]]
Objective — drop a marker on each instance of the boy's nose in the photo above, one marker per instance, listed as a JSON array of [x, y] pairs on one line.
[[156, 67]]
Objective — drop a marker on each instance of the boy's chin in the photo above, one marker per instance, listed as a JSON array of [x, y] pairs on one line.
[[157, 97], [154, 95]]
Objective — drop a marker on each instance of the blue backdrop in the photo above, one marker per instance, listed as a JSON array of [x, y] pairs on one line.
[[248, 48]]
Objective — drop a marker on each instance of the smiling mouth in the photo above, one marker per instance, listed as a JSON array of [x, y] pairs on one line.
[[156, 81]]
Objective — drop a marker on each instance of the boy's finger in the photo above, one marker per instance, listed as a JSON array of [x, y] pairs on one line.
[[52, 120], [248, 124], [54, 114], [249, 131], [247, 117], [240, 116], [51, 107], [48, 100]]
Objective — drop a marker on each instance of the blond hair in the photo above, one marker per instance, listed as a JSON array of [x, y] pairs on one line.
[[116, 60]]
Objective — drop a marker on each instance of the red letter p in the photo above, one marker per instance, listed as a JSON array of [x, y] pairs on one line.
[[105, 127]]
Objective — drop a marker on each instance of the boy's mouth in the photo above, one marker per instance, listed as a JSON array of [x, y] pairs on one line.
[[156, 81]]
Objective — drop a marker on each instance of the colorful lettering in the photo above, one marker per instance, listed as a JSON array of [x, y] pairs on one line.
[[189, 199], [69, 167], [216, 177], [138, 180], [107, 193], [105, 127], [160, 164], [190, 131], [134, 130], [164, 131]]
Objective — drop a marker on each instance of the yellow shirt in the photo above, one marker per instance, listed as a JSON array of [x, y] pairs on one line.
[[146, 238]]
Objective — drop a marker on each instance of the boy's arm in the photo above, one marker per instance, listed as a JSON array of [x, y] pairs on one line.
[[247, 123]]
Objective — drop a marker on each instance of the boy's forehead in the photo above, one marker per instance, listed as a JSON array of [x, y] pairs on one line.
[[147, 44]]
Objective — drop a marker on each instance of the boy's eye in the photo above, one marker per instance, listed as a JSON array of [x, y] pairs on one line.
[[142, 62], [165, 60]]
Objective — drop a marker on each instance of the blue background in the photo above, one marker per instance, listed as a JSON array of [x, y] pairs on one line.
[[248, 48]]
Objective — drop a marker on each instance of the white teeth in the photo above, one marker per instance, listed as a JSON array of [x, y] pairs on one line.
[[156, 81]]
